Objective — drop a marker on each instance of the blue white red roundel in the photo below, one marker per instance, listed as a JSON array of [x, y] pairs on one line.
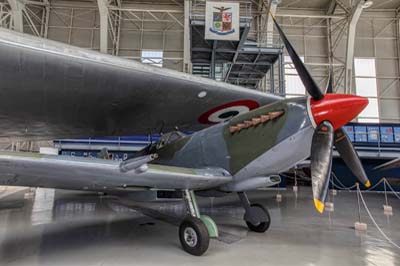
[[227, 111]]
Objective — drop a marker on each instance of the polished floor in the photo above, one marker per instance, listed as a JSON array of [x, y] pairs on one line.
[[55, 227]]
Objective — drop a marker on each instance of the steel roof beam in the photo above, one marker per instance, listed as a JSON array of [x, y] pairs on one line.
[[17, 8], [186, 41], [273, 4], [244, 50], [331, 7], [351, 36], [104, 15], [238, 49], [331, 78], [298, 15]]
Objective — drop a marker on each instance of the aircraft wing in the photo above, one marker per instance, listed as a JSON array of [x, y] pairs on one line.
[[78, 173], [395, 163], [51, 90]]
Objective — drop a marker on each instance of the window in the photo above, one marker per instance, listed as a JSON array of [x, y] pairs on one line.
[[218, 72], [387, 135], [360, 133], [293, 84], [396, 134], [202, 70], [365, 74], [350, 132], [373, 133], [152, 57]]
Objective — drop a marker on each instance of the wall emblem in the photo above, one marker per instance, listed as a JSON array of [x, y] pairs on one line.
[[222, 21]]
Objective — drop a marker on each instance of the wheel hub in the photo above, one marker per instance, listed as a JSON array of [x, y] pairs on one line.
[[190, 237]]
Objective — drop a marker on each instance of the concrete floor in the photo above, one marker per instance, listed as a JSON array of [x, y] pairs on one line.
[[57, 227]]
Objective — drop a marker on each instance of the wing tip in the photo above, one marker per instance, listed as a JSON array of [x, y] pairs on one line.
[[319, 205]]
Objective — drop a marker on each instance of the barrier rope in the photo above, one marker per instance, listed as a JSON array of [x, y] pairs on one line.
[[373, 220], [340, 183], [391, 188], [336, 186], [374, 186], [342, 186]]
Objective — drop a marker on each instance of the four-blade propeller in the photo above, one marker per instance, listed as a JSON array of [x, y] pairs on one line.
[[330, 113]]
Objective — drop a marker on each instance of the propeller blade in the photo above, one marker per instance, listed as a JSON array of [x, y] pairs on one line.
[[329, 86], [321, 162], [309, 83], [349, 155]]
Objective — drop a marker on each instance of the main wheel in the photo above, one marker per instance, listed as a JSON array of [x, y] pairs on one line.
[[194, 236], [260, 227]]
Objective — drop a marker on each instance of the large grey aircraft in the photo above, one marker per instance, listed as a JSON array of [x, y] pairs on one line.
[[243, 138]]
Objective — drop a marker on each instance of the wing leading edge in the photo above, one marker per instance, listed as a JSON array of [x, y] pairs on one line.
[[51, 90], [78, 173]]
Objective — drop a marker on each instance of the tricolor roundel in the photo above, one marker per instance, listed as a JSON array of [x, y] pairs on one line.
[[227, 111]]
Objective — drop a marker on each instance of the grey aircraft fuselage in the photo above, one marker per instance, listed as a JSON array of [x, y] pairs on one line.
[[258, 151]]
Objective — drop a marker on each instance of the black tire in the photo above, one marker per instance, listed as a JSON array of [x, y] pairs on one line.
[[263, 226], [193, 226]]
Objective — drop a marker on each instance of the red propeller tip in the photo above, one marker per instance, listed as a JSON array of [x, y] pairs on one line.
[[338, 109]]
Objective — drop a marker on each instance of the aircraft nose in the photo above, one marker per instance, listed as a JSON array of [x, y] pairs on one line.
[[339, 109]]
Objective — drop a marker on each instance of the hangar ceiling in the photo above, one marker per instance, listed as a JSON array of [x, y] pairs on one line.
[[324, 4]]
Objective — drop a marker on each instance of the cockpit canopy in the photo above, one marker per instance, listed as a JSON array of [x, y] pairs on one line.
[[168, 138]]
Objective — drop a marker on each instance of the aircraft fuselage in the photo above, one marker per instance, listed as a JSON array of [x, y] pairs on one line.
[[278, 137]]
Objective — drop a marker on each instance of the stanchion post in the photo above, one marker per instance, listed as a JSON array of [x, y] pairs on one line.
[[295, 188], [358, 202], [333, 190], [329, 206], [387, 209], [278, 195], [384, 188], [359, 226]]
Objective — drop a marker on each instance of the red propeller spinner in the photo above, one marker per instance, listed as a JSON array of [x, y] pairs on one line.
[[338, 109]]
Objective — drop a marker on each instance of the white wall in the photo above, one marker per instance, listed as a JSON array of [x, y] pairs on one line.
[[77, 23]]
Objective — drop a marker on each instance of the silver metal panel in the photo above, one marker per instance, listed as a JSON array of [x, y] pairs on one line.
[[205, 148], [282, 157], [51, 90], [29, 169], [252, 183]]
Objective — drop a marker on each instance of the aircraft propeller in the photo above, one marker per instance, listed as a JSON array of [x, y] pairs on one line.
[[326, 135]]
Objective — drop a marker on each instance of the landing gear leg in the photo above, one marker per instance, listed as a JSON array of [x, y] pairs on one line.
[[256, 216], [195, 230]]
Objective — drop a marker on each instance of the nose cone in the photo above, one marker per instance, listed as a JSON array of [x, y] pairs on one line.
[[339, 109]]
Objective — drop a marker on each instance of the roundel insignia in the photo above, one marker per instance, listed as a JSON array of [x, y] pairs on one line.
[[227, 111]]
